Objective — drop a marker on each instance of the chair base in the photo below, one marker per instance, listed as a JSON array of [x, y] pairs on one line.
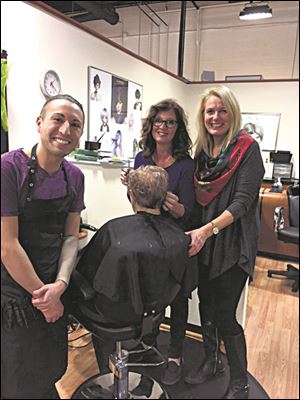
[[102, 387], [290, 273]]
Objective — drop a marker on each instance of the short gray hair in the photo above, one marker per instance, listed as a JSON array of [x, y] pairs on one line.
[[149, 185]]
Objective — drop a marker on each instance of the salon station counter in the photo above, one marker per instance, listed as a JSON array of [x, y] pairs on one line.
[[268, 244]]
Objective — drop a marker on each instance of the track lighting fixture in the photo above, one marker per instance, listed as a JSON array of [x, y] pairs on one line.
[[258, 10]]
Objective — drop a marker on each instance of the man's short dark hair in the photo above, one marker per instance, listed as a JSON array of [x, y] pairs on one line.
[[62, 97]]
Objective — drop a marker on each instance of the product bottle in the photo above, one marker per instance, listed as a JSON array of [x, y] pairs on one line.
[[279, 185], [268, 169]]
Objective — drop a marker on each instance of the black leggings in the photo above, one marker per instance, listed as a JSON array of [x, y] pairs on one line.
[[178, 322], [219, 297]]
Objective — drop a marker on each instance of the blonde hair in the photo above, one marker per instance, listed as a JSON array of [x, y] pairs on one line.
[[204, 141], [149, 185]]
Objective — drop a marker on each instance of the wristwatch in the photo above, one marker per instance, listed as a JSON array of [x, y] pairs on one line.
[[215, 229]]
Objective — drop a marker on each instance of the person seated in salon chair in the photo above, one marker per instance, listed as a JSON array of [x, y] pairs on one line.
[[130, 260]]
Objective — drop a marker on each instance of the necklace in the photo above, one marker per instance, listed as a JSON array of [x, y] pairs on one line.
[[163, 162]]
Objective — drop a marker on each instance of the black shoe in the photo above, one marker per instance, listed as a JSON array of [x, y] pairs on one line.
[[146, 357], [172, 373], [208, 370], [144, 388], [237, 392], [96, 392], [136, 358]]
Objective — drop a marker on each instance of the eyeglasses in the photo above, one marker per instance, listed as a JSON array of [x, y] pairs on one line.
[[169, 123]]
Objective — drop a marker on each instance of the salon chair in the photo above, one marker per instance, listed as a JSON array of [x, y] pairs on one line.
[[288, 234], [120, 382]]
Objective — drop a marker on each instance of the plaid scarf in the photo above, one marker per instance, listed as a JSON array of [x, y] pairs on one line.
[[212, 174]]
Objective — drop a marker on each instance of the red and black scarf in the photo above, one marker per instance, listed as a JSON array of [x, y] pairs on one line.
[[212, 174]]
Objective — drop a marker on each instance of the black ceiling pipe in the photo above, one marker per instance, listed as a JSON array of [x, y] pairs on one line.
[[181, 39], [96, 10]]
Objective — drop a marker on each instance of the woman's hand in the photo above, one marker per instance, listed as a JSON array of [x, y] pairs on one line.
[[198, 238], [173, 206], [124, 176]]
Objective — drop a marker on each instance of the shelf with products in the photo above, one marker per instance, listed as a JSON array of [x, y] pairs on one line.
[[90, 157]]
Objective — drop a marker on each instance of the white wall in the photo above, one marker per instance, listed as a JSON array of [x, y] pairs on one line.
[[213, 34], [36, 41], [268, 97]]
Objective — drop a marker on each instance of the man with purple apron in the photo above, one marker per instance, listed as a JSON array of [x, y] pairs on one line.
[[41, 201]]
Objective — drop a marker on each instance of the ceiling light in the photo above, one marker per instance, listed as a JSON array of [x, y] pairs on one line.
[[256, 11]]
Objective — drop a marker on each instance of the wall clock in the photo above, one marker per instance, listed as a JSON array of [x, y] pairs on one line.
[[50, 83]]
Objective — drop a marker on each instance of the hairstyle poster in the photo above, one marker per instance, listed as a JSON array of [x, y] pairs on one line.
[[114, 113], [263, 127]]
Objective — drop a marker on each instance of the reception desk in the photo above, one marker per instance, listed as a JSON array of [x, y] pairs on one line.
[[268, 244]]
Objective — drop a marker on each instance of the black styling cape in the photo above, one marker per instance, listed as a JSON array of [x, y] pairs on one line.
[[130, 260]]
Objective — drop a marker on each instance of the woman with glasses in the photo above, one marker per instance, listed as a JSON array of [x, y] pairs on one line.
[[166, 144]]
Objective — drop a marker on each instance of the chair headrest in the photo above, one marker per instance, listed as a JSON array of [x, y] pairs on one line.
[[293, 190]]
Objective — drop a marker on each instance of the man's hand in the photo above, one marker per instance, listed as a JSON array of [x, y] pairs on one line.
[[54, 313], [48, 295], [47, 300]]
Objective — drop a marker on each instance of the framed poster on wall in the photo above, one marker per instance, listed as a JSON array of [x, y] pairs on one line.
[[263, 127], [114, 113]]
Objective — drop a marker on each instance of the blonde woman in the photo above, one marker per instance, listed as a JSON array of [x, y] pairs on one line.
[[229, 172]]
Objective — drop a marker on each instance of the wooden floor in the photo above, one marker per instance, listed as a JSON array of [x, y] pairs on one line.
[[272, 331], [272, 334]]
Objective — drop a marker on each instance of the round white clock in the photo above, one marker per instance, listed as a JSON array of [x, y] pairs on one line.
[[50, 83]]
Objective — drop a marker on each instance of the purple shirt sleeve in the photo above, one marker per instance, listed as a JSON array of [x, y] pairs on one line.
[[76, 182], [11, 181], [14, 174]]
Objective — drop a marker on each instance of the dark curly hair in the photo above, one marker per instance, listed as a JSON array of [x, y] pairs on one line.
[[181, 145], [96, 80]]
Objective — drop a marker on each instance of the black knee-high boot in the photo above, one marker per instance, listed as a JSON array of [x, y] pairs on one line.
[[212, 365], [237, 359]]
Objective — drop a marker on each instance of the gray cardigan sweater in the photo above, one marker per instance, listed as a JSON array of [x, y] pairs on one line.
[[237, 243]]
